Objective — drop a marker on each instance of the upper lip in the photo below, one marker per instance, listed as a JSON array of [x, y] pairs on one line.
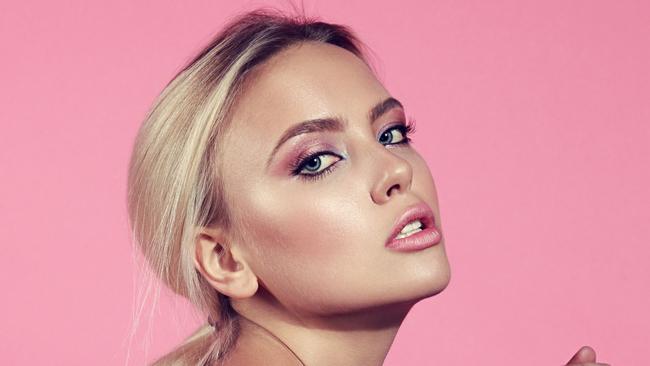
[[419, 211]]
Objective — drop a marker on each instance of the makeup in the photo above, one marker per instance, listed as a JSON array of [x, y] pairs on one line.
[[414, 230]]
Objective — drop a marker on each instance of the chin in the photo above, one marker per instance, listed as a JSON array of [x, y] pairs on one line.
[[438, 283], [430, 287], [427, 280], [417, 290]]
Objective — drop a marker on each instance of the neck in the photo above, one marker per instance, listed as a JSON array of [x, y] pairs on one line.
[[351, 338]]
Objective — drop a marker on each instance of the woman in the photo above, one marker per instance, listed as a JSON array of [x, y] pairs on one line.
[[274, 186]]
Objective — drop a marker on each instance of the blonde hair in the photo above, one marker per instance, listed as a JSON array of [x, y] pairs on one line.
[[174, 185]]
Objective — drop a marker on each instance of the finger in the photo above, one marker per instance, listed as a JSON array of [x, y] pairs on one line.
[[585, 354]]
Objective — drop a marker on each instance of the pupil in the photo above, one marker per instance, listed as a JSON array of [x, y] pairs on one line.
[[385, 134], [311, 166]]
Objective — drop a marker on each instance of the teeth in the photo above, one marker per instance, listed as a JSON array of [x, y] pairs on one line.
[[411, 226], [410, 229]]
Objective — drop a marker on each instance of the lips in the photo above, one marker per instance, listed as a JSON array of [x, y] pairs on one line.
[[420, 211]]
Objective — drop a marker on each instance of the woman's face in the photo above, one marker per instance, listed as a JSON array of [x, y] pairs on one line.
[[316, 242]]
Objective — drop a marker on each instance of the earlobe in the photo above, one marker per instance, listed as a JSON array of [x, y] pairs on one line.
[[222, 265]]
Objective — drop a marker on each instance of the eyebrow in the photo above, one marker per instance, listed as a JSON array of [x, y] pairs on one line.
[[332, 123]]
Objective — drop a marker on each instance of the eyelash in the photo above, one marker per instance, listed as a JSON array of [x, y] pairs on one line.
[[407, 129]]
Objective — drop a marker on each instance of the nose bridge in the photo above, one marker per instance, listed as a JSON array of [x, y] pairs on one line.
[[394, 174]]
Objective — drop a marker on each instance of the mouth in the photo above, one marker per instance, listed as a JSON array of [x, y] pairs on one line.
[[416, 219], [411, 228]]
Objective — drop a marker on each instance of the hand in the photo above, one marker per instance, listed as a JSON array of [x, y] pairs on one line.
[[586, 356]]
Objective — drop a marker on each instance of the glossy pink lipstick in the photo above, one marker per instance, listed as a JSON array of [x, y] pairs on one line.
[[428, 235]]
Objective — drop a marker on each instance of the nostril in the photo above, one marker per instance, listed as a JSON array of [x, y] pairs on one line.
[[396, 186]]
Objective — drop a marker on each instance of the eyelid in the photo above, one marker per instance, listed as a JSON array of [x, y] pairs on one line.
[[298, 163], [320, 156], [406, 129], [322, 173], [305, 161], [390, 126]]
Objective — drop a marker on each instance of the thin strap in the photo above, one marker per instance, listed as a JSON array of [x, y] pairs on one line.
[[278, 339]]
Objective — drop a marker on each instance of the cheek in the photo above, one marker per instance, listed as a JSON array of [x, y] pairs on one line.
[[303, 237], [295, 224]]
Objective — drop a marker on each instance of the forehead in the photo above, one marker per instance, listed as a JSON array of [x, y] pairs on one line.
[[305, 81]]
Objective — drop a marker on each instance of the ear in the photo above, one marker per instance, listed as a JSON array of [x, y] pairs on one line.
[[222, 265]]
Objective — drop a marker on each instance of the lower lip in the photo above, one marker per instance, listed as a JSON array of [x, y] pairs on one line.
[[418, 241]]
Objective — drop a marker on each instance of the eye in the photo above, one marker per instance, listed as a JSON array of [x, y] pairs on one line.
[[398, 134], [316, 165]]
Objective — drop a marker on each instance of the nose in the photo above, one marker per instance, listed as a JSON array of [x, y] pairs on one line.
[[395, 175]]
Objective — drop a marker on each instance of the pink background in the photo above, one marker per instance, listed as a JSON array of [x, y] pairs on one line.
[[533, 116]]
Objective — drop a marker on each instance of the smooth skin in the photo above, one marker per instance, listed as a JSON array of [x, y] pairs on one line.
[[305, 263]]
